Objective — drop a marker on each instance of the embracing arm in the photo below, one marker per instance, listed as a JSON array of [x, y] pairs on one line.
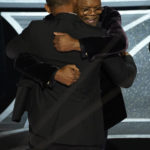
[[28, 65], [25, 63], [121, 69], [46, 74], [32, 67], [115, 42]]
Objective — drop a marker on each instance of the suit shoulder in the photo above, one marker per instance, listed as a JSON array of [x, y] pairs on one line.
[[111, 11], [109, 16], [37, 23]]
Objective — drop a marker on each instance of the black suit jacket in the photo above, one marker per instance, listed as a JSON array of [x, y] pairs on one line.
[[117, 71], [113, 66], [70, 102]]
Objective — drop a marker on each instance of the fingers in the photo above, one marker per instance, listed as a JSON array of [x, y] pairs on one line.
[[124, 53], [76, 75], [56, 41], [57, 36], [75, 71], [74, 67], [68, 74], [59, 33]]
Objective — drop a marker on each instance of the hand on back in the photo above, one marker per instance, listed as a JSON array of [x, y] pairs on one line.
[[68, 74], [63, 42]]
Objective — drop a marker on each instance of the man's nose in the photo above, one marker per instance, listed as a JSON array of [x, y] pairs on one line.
[[92, 12]]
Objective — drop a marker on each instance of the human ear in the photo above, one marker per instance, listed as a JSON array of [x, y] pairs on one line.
[[47, 8]]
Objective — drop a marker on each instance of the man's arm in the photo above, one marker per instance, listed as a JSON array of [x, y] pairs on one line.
[[32, 67], [114, 42], [28, 65], [121, 69], [45, 74]]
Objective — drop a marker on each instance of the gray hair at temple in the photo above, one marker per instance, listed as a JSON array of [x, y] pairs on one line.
[[57, 3]]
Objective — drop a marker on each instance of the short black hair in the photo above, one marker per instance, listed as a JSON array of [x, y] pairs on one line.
[[56, 3]]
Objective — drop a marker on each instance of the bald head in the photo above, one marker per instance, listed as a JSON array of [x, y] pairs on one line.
[[89, 11]]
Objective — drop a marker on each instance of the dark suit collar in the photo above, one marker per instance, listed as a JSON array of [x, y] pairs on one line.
[[49, 17]]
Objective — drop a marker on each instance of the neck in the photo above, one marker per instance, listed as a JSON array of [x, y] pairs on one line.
[[63, 9]]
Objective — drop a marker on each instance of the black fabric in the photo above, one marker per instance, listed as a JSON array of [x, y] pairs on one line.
[[114, 109], [113, 66], [72, 147], [115, 41], [61, 104], [117, 71], [110, 22], [44, 99], [125, 70], [34, 68]]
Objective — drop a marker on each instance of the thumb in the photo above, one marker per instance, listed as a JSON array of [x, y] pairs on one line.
[[59, 33], [74, 67]]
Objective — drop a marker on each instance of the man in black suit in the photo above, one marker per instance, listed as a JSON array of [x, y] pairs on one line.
[[117, 67], [50, 110], [118, 70]]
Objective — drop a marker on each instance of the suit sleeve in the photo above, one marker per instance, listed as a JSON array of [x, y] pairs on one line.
[[121, 69], [20, 44], [39, 71], [28, 65], [115, 41]]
